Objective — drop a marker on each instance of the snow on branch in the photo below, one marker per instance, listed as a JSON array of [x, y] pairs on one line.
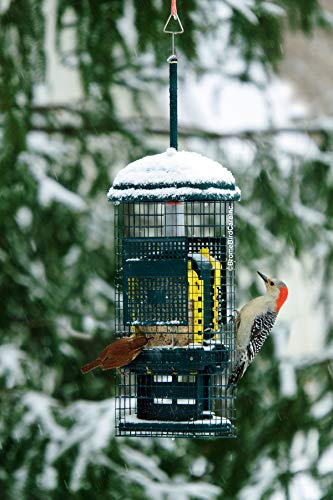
[[245, 8], [323, 357], [145, 471], [176, 487], [186, 131], [84, 121], [11, 365], [89, 429], [50, 190]]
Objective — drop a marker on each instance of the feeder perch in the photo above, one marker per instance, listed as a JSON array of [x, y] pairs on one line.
[[174, 223]]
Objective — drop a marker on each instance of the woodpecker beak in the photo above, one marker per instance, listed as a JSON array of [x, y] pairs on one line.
[[263, 276]]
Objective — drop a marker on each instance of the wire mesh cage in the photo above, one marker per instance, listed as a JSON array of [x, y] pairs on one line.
[[175, 285]]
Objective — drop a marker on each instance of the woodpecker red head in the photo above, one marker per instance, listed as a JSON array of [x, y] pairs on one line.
[[276, 289]]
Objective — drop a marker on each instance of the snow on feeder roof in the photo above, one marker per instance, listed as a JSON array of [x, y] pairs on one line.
[[174, 175]]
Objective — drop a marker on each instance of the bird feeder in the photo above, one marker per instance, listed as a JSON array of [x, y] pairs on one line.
[[175, 261], [174, 235]]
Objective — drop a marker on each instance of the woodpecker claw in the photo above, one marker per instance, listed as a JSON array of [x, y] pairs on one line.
[[232, 318]]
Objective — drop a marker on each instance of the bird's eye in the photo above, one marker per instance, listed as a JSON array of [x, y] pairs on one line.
[[272, 283]]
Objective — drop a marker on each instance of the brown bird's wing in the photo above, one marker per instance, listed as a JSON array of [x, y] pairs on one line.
[[108, 350], [110, 364], [114, 349], [104, 355], [136, 353], [124, 354], [117, 354]]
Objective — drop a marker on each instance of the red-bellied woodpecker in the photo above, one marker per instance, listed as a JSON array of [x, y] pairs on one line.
[[254, 323]]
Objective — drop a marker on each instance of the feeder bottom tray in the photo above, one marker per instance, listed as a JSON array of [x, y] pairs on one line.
[[177, 385], [215, 426]]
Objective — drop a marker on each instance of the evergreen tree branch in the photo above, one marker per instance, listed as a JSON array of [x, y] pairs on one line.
[[313, 129], [188, 132]]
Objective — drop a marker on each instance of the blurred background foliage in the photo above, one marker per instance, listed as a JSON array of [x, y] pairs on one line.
[[57, 161]]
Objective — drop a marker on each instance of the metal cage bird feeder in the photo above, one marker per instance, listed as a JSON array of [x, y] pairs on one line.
[[174, 233], [175, 260]]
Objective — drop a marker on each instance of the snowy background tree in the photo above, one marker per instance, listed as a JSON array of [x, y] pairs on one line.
[[83, 91]]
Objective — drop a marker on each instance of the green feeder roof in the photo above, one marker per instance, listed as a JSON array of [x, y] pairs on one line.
[[174, 175]]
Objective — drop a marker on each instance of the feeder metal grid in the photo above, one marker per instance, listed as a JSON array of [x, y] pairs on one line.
[[175, 284]]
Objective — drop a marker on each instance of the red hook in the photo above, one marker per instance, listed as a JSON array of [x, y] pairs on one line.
[[174, 8]]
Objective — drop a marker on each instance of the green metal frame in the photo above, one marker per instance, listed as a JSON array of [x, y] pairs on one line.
[[174, 390], [155, 281]]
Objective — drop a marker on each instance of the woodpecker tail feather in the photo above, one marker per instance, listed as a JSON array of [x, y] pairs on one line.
[[90, 366], [236, 375]]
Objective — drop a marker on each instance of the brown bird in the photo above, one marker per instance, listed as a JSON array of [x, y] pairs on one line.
[[119, 353]]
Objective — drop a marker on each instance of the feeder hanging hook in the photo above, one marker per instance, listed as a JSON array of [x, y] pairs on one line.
[[173, 32], [172, 60]]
